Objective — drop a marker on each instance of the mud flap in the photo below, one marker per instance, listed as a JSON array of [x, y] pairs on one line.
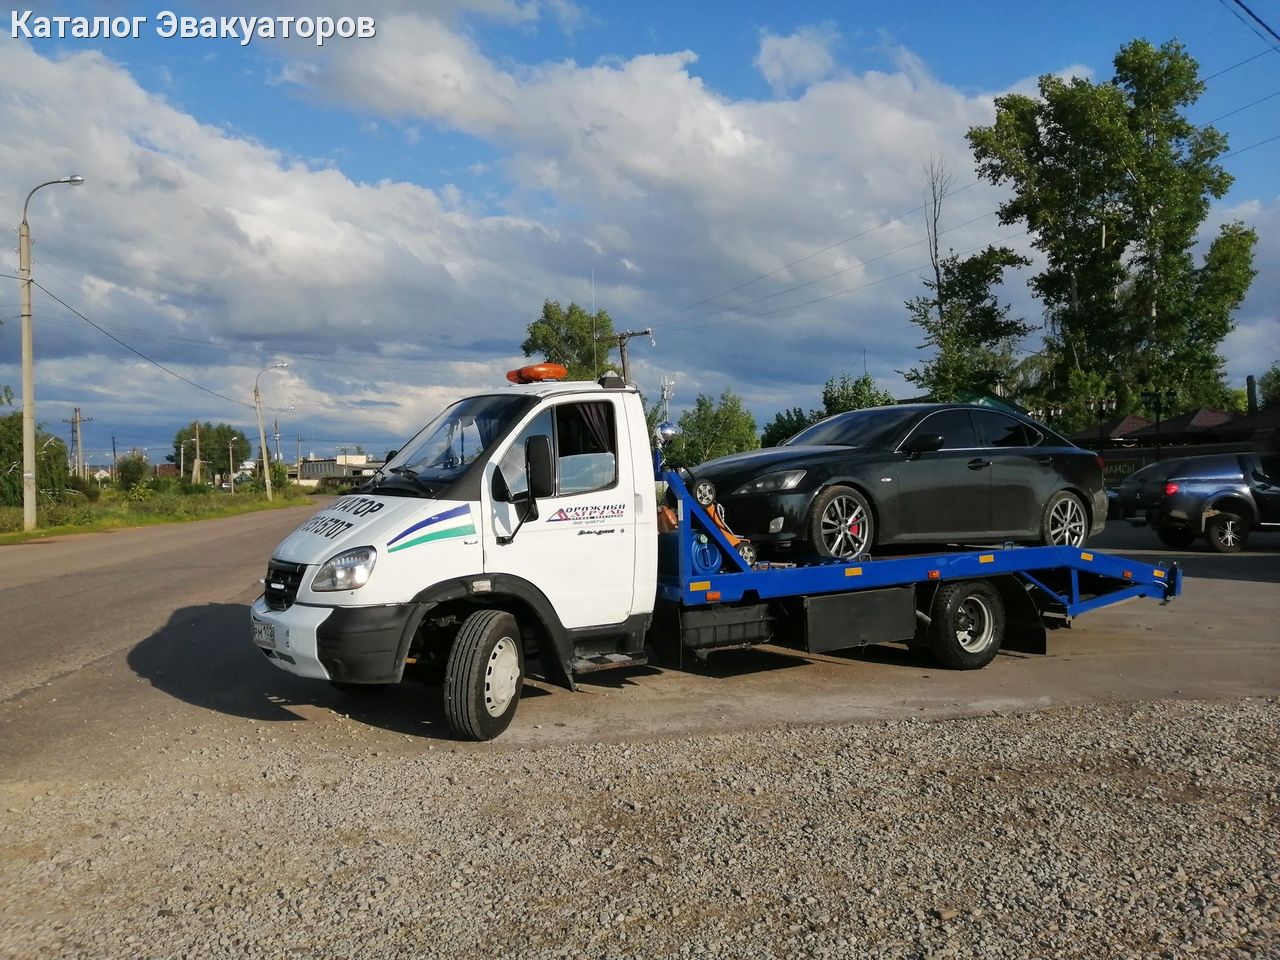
[[1024, 625]]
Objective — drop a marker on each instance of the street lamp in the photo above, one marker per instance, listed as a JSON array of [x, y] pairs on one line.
[[28, 361], [1101, 406], [1158, 400], [182, 458], [262, 433], [276, 426], [1047, 414]]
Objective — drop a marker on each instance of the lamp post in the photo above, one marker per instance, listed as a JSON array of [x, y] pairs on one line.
[[182, 458], [1101, 406], [1158, 400], [28, 361], [277, 429], [262, 433], [1047, 414]]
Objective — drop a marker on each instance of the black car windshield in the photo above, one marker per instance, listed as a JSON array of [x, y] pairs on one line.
[[445, 447], [859, 428]]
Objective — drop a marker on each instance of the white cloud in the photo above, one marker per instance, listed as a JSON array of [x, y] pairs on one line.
[[799, 59]]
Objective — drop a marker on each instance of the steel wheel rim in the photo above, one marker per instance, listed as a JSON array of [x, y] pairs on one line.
[[1228, 534], [845, 525], [1067, 523], [704, 491], [973, 624], [501, 675]]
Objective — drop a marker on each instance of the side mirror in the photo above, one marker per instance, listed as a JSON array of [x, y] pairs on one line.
[[391, 454], [538, 463], [924, 443]]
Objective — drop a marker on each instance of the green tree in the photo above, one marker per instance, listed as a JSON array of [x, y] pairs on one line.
[[784, 425], [216, 444], [1114, 182], [839, 395], [51, 463], [970, 331], [1269, 386], [714, 429], [571, 337], [844, 393], [131, 470]]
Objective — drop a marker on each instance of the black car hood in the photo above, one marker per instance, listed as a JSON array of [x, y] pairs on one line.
[[756, 463]]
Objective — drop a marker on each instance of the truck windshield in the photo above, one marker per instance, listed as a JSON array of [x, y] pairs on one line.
[[450, 443]]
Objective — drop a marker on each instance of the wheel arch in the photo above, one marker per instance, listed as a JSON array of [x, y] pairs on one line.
[[534, 614], [1228, 501]]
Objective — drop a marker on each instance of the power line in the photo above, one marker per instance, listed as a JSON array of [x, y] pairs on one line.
[[1213, 76], [808, 256], [809, 283], [131, 349], [1234, 153], [1257, 19], [1226, 5], [1232, 113]]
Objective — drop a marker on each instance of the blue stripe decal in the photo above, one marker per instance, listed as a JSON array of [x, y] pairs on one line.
[[462, 511]]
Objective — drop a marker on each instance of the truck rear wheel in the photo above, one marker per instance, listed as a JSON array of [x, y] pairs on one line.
[[966, 625], [484, 675]]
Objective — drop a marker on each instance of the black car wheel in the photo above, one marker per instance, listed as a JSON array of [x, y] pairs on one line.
[[966, 625], [1177, 538], [1226, 533], [1065, 522], [841, 524]]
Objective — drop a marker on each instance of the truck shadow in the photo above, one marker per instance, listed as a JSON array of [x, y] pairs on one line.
[[203, 656]]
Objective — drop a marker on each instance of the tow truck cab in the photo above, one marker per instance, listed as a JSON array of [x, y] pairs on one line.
[[389, 575]]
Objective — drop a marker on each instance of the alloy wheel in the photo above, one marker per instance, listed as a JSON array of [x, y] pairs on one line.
[[1228, 533], [844, 527], [1068, 524]]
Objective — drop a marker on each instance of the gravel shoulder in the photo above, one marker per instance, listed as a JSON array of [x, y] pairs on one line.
[[1136, 830]]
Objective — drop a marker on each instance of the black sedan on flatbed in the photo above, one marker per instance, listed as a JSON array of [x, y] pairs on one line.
[[911, 474]]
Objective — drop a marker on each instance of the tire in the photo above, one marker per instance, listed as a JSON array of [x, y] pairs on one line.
[[704, 491], [1176, 538], [1065, 522], [966, 625], [841, 524], [483, 678], [747, 551], [1226, 532]]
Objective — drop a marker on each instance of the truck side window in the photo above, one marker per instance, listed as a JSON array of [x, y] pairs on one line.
[[511, 466], [586, 447]]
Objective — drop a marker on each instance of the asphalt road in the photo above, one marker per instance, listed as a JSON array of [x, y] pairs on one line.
[[117, 647]]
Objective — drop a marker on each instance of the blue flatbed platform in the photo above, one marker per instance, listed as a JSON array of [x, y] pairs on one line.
[[1060, 581]]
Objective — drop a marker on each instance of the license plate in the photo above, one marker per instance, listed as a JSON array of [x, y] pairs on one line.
[[264, 635]]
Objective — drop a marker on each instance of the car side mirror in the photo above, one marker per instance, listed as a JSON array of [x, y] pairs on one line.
[[924, 443], [538, 464]]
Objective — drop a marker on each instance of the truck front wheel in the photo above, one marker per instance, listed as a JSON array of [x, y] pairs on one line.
[[484, 675]]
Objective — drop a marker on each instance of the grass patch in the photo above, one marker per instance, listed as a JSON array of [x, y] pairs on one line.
[[119, 513]]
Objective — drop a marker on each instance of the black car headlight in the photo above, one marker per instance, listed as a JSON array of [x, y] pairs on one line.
[[349, 570], [771, 483]]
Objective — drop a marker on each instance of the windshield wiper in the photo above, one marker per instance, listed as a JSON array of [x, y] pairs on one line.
[[404, 472]]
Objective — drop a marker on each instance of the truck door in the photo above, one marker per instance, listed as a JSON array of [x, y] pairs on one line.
[[1264, 481], [580, 549]]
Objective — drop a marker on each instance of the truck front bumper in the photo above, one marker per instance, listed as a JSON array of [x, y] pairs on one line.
[[346, 644]]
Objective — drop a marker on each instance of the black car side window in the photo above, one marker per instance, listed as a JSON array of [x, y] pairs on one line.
[[998, 430], [954, 425]]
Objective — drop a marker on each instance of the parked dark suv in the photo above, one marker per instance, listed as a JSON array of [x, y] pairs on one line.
[[1221, 497], [912, 474]]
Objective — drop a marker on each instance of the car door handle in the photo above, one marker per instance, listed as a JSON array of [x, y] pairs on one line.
[[977, 463]]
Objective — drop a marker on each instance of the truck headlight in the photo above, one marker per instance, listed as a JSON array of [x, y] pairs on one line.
[[772, 483], [349, 570]]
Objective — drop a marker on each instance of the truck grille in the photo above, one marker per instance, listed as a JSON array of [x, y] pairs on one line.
[[282, 583]]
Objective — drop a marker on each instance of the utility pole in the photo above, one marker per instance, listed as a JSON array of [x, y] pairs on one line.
[[231, 464], [113, 458], [668, 394], [77, 439], [195, 467], [621, 339], [298, 462]]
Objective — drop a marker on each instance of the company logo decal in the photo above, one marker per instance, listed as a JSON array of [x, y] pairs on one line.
[[443, 526], [589, 514]]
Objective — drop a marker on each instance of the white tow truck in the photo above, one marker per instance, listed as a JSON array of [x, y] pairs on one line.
[[525, 522]]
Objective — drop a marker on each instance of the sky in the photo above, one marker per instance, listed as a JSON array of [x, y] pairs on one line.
[[386, 215]]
